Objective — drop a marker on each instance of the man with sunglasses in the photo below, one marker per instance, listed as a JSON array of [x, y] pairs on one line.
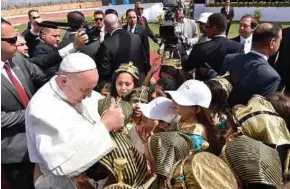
[[139, 7], [98, 18], [31, 34], [20, 80], [76, 21], [32, 15]]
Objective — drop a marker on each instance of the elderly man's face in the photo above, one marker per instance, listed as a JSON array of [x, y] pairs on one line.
[[79, 86], [21, 46], [8, 42], [51, 37], [132, 18]]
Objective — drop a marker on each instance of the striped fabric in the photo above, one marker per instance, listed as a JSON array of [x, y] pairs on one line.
[[167, 148], [202, 170], [126, 107], [253, 162], [136, 171]]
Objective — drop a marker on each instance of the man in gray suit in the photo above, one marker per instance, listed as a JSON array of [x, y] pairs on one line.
[[250, 73], [19, 81]]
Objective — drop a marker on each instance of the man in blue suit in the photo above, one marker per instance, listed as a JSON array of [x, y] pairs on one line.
[[251, 73]]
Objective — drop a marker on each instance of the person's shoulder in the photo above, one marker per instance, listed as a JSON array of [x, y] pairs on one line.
[[237, 38], [42, 100], [125, 26], [233, 44]]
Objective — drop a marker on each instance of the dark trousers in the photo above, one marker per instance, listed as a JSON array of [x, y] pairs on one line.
[[19, 175], [228, 28]]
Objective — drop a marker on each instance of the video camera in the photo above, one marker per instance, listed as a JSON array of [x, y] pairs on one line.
[[167, 28], [91, 30]]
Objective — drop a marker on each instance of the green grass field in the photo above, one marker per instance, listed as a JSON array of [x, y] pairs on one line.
[[154, 27]]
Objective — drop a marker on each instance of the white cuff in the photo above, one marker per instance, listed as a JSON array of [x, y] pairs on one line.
[[67, 50]]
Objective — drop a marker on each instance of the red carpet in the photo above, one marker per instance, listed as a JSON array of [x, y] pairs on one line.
[[153, 56]]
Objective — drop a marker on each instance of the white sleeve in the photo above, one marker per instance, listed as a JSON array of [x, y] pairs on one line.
[[67, 141], [67, 50], [97, 145]]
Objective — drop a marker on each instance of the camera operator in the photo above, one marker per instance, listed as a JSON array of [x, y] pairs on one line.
[[186, 29], [76, 22], [47, 54]]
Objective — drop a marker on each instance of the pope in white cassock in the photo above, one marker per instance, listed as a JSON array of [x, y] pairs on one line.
[[65, 133]]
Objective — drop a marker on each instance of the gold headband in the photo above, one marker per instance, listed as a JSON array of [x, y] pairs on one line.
[[129, 68], [175, 63], [141, 94], [226, 85]]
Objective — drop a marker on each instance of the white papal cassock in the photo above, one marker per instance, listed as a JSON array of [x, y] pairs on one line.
[[64, 140]]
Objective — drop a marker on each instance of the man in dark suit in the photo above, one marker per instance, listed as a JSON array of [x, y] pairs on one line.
[[137, 29], [212, 53], [20, 80], [229, 12], [32, 35], [47, 54], [120, 47], [76, 21], [280, 61], [251, 73], [139, 7], [247, 26]]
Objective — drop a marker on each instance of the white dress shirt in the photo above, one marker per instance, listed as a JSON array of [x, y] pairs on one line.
[[131, 29], [247, 43], [3, 71]]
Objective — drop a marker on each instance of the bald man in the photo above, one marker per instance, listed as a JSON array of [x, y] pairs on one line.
[[120, 47], [251, 73]]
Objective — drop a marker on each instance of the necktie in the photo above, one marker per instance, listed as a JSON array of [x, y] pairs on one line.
[[20, 90], [143, 21], [131, 29]]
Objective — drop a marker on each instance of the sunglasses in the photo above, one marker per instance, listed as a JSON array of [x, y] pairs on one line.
[[98, 19], [140, 8], [35, 17], [11, 40]]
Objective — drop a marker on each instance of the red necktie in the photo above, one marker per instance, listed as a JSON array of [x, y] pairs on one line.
[[143, 22], [21, 91]]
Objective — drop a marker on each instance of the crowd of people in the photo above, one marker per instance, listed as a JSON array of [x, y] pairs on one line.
[[97, 112]]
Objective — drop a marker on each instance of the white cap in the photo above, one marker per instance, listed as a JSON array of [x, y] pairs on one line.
[[77, 62], [191, 93], [204, 17], [158, 109]]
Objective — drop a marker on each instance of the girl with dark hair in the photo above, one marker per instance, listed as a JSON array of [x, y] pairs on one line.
[[194, 130], [219, 109], [171, 69], [164, 85], [125, 79], [104, 88]]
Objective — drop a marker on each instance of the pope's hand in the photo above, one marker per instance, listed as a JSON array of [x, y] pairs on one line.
[[113, 118], [80, 40]]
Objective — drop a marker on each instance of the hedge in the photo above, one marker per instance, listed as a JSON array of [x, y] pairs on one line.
[[252, 4]]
